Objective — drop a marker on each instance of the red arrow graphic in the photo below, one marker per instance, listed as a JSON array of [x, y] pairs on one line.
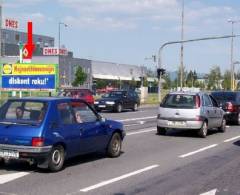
[[29, 47]]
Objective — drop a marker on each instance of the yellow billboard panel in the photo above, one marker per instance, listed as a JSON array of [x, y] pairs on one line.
[[29, 69]]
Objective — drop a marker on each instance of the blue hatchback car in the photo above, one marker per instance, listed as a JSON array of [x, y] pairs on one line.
[[47, 131]]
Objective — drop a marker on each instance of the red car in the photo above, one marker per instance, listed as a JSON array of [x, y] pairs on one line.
[[78, 93]]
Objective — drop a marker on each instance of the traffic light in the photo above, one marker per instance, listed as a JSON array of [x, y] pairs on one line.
[[160, 72]]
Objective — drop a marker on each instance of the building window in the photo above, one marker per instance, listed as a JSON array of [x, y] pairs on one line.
[[17, 37], [39, 39]]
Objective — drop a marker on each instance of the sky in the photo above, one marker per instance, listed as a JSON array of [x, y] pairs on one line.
[[131, 31]]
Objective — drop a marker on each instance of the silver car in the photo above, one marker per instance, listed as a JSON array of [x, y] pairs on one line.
[[190, 110]]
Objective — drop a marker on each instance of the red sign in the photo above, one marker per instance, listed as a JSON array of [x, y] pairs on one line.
[[54, 51], [29, 47], [10, 23]]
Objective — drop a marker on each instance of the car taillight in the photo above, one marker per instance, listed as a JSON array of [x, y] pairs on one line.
[[89, 98], [230, 107], [197, 102], [37, 141]]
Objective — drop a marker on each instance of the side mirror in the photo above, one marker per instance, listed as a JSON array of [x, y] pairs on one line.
[[101, 119]]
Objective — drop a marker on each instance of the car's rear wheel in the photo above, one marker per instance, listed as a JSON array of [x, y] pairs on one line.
[[119, 107], [161, 131], [238, 119], [2, 161], [114, 146], [204, 130], [56, 158], [222, 128], [135, 107]]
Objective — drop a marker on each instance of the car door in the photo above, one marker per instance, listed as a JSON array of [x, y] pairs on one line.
[[68, 130], [125, 100], [217, 111], [208, 110], [93, 131]]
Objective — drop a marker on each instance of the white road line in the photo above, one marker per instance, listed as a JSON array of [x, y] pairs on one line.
[[197, 151], [12, 176], [231, 139], [134, 119], [104, 183], [227, 126], [131, 125], [212, 192], [143, 131]]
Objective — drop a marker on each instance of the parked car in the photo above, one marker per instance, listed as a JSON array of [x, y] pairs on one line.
[[229, 101], [47, 131], [117, 101], [190, 110], [78, 93]]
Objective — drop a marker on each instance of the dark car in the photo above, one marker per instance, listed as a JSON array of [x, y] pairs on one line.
[[117, 101], [78, 93], [229, 101], [47, 131]]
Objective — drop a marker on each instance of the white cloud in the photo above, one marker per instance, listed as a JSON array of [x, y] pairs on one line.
[[20, 3]]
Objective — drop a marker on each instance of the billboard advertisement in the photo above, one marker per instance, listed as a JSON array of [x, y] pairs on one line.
[[30, 76]]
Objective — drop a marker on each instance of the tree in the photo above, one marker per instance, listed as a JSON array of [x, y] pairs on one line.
[[167, 81], [214, 78], [80, 77], [227, 80]]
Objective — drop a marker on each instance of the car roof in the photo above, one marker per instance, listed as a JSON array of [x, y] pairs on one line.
[[186, 93], [46, 99]]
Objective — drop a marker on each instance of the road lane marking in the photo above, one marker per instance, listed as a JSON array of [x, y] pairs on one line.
[[197, 151], [104, 183], [143, 131], [134, 119], [231, 139], [212, 192], [131, 125], [12, 176]]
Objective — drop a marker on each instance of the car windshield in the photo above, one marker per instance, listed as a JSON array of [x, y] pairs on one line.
[[179, 101], [114, 94], [224, 96], [23, 112]]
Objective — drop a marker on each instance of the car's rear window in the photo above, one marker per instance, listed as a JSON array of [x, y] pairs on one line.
[[29, 112], [76, 93], [179, 101], [225, 96]]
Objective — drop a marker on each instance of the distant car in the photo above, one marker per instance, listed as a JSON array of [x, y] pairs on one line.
[[190, 110], [78, 93], [229, 101], [117, 101], [47, 131]]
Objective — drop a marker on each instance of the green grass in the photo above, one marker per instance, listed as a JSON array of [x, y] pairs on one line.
[[153, 97]]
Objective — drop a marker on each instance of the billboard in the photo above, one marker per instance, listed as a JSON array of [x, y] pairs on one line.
[[30, 76]]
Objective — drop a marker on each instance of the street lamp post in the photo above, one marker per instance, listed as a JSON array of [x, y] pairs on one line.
[[232, 65], [59, 45]]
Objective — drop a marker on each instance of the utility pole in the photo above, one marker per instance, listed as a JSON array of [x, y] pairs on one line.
[[232, 65], [182, 50]]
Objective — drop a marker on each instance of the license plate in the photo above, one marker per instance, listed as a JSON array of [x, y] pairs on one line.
[[102, 106], [9, 154], [177, 123]]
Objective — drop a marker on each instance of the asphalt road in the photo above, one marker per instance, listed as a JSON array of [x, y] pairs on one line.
[[178, 163]]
